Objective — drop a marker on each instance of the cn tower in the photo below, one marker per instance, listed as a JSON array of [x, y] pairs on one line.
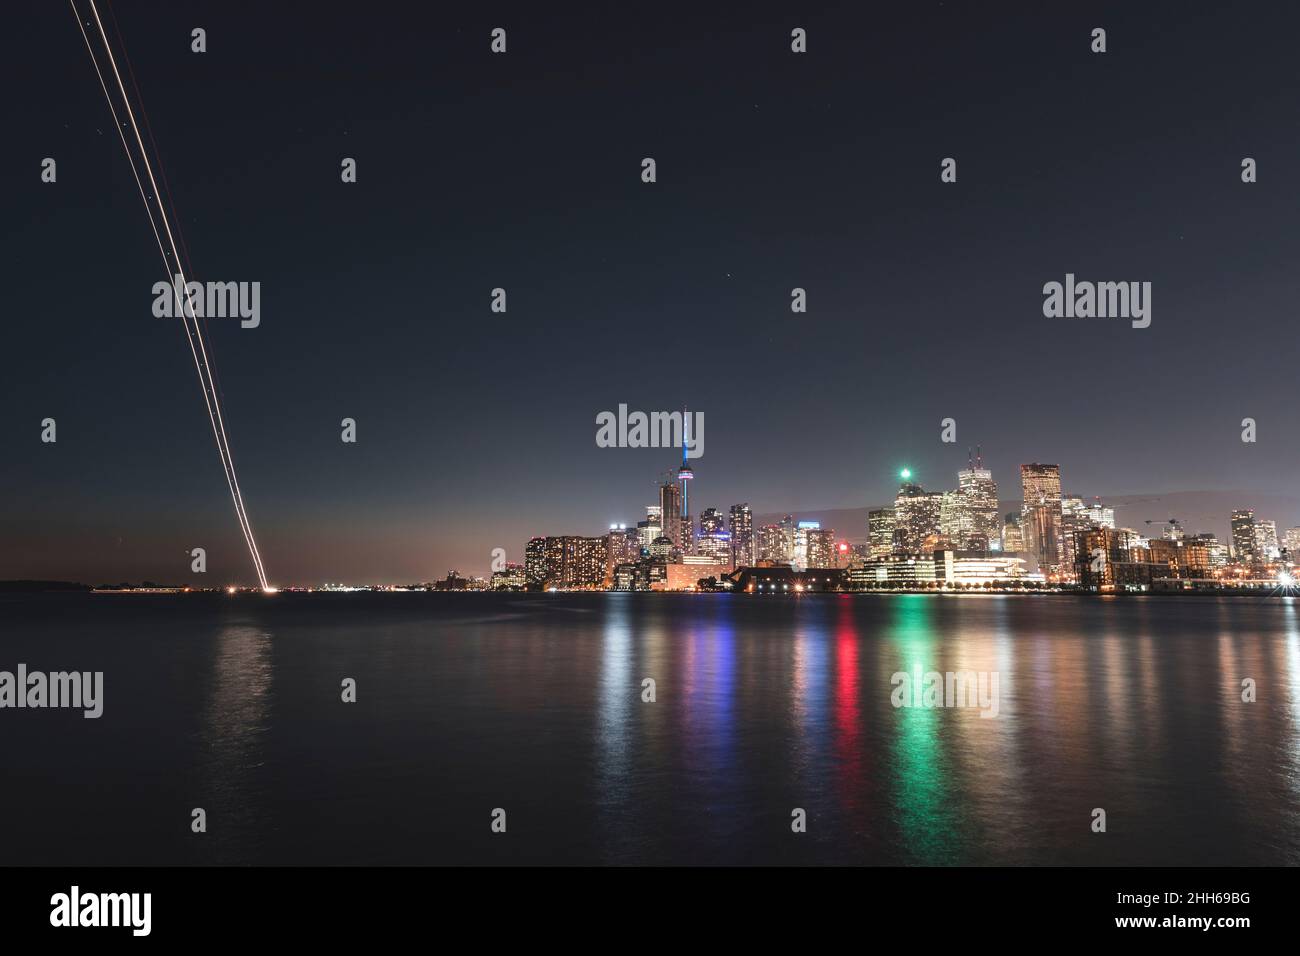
[[684, 475]]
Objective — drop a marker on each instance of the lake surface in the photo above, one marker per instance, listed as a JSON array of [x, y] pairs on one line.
[[533, 704]]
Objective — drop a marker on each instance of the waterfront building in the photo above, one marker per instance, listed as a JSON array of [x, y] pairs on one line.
[[880, 532], [741, 527], [1041, 516]]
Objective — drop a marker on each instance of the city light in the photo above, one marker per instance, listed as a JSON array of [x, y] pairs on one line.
[[905, 474]]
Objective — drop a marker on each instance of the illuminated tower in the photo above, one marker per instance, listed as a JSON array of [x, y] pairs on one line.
[[978, 520], [684, 475], [1040, 516]]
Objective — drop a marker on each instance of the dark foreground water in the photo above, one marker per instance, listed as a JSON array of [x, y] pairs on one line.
[[533, 704]]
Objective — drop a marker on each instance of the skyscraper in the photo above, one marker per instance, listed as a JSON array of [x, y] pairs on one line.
[[1291, 541], [819, 548], [535, 560], [979, 525], [1013, 541], [1243, 536], [1041, 516], [651, 527], [1075, 517], [804, 534], [711, 521], [1101, 516], [742, 536], [770, 544], [1266, 547], [787, 538], [670, 509], [880, 532], [916, 516]]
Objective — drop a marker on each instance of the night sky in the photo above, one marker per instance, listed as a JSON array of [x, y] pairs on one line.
[[522, 170]]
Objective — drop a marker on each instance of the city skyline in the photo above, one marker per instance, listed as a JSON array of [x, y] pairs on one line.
[[923, 298], [1041, 542]]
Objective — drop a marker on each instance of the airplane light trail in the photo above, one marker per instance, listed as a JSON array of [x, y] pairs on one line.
[[193, 333]]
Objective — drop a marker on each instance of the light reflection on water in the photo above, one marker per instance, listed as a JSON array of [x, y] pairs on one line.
[[763, 705]]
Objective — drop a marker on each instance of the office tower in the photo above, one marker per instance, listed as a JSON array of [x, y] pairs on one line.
[[954, 518], [711, 521], [535, 560], [1217, 550], [880, 532], [916, 517], [1076, 516], [787, 527], [715, 545], [771, 544], [1041, 516], [1291, 541], [650, 528], [662, 548], [624, 546], [1266, 547], [1243, 536], [742, 536], [1100, 516], [819, 547], [1013, 541], [978, 528], [799, 555], [670, 509]]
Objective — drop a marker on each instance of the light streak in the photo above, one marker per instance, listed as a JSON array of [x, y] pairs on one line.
[[192, 334]]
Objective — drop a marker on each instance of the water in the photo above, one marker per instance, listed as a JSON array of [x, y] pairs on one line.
[[532, 703]]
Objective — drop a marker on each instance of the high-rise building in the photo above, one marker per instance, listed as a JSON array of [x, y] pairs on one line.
[[1266, 547], [711, 521], [978, 528], [1076, 516], [535, 561], [1100, 516], [742, 536], [954, 517], [1041, 517], [557, 561], [714, 541], [1216, 549], [624, 547], [1243, 536], [670, 509], [880, 532], [916, 517], [1013, 541], [799, 556], [770, 544], [787, 527], [1291, 541], [590, 562], [819, 548]]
